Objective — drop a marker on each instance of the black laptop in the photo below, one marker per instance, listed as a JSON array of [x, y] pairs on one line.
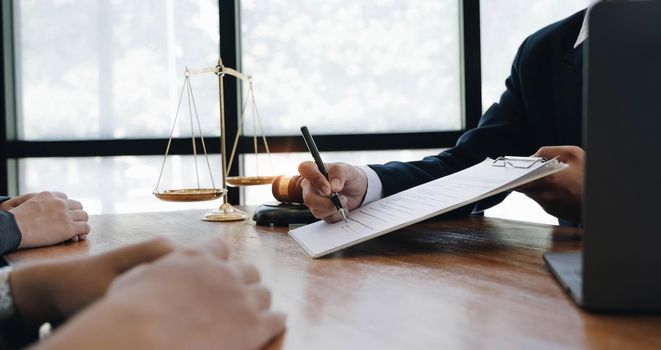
[[620, 267]]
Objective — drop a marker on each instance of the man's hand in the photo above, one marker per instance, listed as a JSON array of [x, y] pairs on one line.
[[48, 218], [347, 180], [191, 299], [560, 194], [54, 291]]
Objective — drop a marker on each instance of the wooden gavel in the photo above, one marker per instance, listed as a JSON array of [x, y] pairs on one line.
[[287, 189]]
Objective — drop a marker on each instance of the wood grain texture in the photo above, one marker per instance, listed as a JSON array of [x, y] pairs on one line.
[[475, 283]]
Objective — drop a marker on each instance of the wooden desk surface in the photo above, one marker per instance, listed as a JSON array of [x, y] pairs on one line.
[[473, 283]]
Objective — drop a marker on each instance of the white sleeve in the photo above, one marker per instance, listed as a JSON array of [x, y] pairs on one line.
[[374, 186]]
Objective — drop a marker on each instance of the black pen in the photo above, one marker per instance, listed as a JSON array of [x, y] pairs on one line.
[[309, 141]]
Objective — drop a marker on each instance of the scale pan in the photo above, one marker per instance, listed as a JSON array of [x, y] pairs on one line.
[[190, 194], [249, 180]]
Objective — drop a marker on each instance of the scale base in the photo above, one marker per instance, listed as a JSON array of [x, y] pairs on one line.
[[226, 212]]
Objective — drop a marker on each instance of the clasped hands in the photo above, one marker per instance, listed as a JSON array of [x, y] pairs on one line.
[[47, 218], [149, 295], [559, 194]]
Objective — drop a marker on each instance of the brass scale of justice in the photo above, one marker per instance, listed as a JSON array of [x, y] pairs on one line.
[[226, 212]]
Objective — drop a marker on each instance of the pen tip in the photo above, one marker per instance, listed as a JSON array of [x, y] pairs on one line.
[[344, 215]]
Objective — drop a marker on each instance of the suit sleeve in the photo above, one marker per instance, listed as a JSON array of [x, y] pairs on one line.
[[502, 130], [10, 235]]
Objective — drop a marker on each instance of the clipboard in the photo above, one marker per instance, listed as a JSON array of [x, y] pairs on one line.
[[519, 162], [483, 180]]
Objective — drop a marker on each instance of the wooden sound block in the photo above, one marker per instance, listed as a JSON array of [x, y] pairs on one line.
[[282, 214]]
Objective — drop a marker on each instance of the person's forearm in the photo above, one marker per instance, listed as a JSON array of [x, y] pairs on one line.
[[111, 325], [31, 292]]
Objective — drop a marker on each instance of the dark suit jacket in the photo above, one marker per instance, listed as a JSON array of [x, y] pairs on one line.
[[10, 235], [541, 107]]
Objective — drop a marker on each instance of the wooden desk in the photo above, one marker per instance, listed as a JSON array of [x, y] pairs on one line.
[[474, 283]]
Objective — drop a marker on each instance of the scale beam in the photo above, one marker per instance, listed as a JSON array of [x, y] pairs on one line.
[[220, 69]]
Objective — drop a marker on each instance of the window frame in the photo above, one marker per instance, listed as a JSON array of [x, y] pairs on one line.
[[12, 149]]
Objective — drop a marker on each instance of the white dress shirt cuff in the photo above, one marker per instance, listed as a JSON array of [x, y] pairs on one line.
[[374, 186]]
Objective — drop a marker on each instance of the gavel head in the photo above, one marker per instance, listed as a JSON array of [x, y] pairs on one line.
[[287, 189]]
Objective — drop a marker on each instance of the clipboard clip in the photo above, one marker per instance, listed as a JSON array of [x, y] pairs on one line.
[[518, 162]]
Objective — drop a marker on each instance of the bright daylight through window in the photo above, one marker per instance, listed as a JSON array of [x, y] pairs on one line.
[[108, 69], [354, 67]]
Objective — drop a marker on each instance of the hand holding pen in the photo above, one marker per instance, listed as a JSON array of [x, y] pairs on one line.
[[312, 146]]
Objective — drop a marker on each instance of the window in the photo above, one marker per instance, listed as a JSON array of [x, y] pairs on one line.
[[91, 86], [112, 70], [354, 67], [124, 184], [102, 69], [342, 67], [504, 24], [121, 184]]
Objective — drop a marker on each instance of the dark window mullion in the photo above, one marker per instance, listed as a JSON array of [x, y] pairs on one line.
[[8, 172], [471, 63], [182, 146], [229, 51]]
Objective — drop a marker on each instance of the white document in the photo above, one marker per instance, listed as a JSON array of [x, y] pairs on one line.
[[422, 202]]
